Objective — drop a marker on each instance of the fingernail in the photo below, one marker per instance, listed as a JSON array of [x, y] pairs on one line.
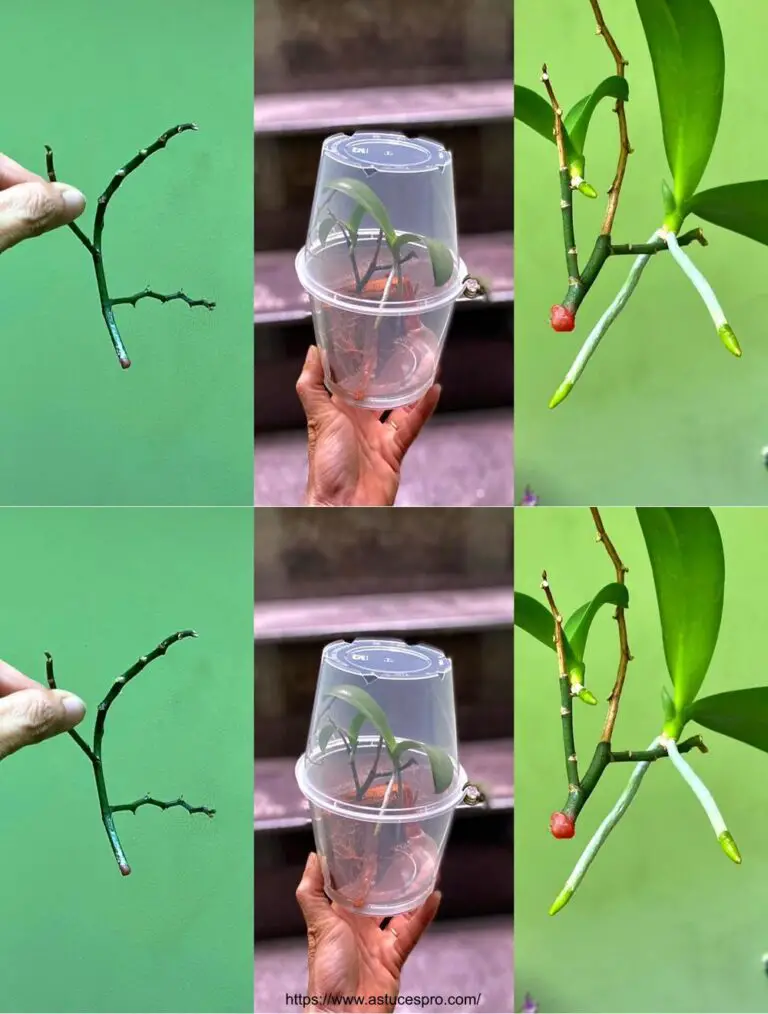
[[74, 707], [73, 200]]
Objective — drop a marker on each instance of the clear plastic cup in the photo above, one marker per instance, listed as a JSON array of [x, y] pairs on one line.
[[381, 772], [381, 265]]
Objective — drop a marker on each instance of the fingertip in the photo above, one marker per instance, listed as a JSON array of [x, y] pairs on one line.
[[72, 199], [74, 707]]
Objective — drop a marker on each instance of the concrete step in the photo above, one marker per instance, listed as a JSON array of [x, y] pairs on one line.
[[401, 614], [404, 106], [305, 45], [459, 460], [310, 554], [471, 958], [278, 297]]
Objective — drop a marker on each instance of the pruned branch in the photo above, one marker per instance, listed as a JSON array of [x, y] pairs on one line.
[[566, 704], [94, 753], [94, 245], [625, 149]]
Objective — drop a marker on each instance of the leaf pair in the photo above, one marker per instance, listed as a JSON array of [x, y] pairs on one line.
[[369, 710], [688, 56], [368, 202], [533, 110], [537, 620], [688, 564]]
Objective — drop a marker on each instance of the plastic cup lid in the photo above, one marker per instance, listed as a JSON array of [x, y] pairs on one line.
[[386, 659], [394, 153]]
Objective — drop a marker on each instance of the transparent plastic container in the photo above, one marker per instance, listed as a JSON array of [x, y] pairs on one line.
[[381, 772], [381, 265]]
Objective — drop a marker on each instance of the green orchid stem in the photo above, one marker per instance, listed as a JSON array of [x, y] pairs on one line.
[[569, 234], [94, 245], [705, 290], [704, 796], [600, 836], [598, 331], [94, 753], [604, 755]]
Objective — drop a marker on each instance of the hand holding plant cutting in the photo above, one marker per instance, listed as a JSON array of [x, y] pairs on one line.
[[354, 458], [30, 714], [688, 57], [351, 955], [30, 207], [687, 561]]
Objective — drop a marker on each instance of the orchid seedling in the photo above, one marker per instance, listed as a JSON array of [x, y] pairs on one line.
[[94, 244], [687, 52], [687, 561], [94, 751]]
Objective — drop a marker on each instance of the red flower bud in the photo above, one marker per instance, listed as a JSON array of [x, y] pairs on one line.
[[562, 826], [561, 319]]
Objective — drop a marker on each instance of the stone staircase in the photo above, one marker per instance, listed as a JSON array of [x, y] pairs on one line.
[[440, 576], [320, 68]]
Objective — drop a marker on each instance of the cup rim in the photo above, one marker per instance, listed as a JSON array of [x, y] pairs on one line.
[[401, 815], [354, 304]]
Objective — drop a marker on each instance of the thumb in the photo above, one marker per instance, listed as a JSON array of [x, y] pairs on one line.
[[29, 209], [310, 894], [29, 716], [310, 386]]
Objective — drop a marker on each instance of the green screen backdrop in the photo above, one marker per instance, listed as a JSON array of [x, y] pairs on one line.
[[662, 921], [98, 82], [663, 413], [99, 588]]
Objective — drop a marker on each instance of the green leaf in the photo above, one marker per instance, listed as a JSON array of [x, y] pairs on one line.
[[370, 709], [324, 229], [578, 625], [535, 112], [536, 619], [686, 554], [740, 714], [740, 207], [688, 58], [354, 223], [354, 729], [362, 194], [439, 761], [324, 735], [577, 120], [439, 254]]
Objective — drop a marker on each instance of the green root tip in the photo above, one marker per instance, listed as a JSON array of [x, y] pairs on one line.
[[728, 845], [587, 189], [728, 338], [587, 696], [561, 900], [561, 393]]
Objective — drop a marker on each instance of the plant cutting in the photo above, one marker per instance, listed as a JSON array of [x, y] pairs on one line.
[[688, 56], [687, 560], [94, 751], [382, 802], [94, 244], [381, 265]]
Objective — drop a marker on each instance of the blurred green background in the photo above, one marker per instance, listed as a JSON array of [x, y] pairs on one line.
[[662, 413], [97, 82], [662, 921], [98, 588]]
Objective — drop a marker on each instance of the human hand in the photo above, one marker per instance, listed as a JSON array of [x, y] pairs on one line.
[[354, 457], [29, 713], [351, 955], [29, 205]]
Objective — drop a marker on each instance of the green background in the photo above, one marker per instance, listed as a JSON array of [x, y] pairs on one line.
[[97, 82], [663, 413], [98, 588], [662, 921]]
